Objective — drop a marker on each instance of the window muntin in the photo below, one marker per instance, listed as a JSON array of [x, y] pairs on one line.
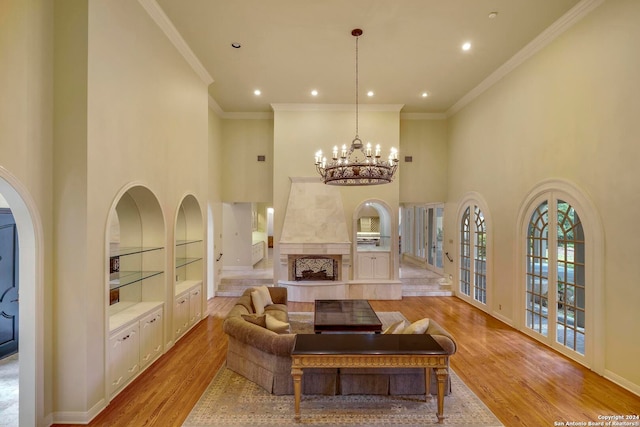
[[538, 270], [465, 252], [480, 257], [473, 254], [571, 279]]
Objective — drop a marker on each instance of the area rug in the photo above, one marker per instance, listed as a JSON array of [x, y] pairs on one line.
[[232, 400]]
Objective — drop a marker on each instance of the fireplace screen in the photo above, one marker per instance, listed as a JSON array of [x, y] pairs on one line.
[[315, 268]]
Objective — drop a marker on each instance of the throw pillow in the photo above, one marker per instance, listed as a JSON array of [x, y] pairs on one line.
[[277, 326], [258, 302], [256, 320], [417, 327], [264, 293], [395, 328]]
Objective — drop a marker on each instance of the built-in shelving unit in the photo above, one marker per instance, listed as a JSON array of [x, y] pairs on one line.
[[136, 286], [189, 267]]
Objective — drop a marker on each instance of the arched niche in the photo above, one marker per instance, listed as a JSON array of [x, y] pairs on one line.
[[189, 301], [373, 241], [136, 238], [373, 227], [189, 237]]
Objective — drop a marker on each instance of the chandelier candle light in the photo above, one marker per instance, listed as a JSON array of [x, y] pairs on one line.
[[350, 168]]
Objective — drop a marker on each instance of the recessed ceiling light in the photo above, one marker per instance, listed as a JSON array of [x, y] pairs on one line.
[[466, 46], [236, 45], [314, 93], [424, 94], [370, 93], [257, 92], [493, 15]]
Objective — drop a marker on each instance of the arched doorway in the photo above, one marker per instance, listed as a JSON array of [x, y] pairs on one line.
[[29, 227]]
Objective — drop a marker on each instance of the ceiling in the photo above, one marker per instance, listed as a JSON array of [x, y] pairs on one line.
[[290, 47]]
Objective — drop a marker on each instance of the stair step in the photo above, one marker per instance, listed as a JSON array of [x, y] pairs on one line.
[[234, 287], [413, 286]]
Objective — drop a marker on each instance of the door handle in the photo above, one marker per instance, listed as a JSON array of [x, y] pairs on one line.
[[15, 300]]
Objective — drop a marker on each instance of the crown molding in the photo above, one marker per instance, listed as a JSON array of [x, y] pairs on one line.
[[213, 106], [556, 29], [248, 116], [162, 20], [336, 107], [423, 116]]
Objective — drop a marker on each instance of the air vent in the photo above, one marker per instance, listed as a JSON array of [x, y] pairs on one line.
[[261, 158], [408, 159]]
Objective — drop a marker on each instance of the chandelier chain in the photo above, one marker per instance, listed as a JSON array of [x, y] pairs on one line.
[[357, 110]]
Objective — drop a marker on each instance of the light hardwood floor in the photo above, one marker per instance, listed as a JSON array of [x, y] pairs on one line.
[[521, 381]]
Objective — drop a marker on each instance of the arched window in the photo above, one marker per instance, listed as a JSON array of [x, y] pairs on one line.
[[473, 253], [561, 269]]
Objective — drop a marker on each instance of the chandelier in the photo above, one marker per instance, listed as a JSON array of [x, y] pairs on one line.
[[359, 164]]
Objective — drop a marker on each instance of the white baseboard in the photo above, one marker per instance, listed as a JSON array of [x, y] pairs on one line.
[[503, 319], [622, 382], [68, 417], [48, 420]]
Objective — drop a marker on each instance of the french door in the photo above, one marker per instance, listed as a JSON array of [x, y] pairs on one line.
[[435, 237], [555, 276]]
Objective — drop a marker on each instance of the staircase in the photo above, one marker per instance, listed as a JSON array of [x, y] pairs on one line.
[[415, 282], [235, 286], [418, 281], [426, 286]]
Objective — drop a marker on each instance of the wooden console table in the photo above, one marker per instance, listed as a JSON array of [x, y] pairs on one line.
[[370, 351]]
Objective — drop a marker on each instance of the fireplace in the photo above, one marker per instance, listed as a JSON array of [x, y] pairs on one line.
[[313, 255], [314, 267]]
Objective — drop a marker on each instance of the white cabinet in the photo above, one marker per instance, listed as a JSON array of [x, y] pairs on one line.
[[124, 355], [257, 252], [373, 265], [135, 340], [195, 305], [188, 306], [150, 338], [181, 314]]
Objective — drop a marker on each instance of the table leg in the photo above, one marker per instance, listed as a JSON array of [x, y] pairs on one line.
[[427, 384], [296, 373], [442, 375]]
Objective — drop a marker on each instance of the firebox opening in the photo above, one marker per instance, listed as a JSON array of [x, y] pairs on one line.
[[314, 268]]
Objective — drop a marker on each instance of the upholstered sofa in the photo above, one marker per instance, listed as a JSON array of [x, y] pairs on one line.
[[264, 357]]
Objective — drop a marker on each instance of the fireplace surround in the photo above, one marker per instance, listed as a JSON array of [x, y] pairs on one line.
[[314, 267]]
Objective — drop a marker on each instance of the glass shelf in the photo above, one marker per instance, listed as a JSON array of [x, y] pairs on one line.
[[186, 242], [124, 278], [181, 262], [133, 250]]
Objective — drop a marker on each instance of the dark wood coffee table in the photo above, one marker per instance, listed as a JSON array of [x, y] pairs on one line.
[[351, 315], [370, 351]]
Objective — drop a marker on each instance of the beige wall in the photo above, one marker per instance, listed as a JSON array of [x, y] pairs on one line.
[[425, 178], [244, 178], [136, 113], [570, 112], [26, 147], [215, 197]]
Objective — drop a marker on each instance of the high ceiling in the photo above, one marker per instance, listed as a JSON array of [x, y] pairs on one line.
[[291, 47]]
